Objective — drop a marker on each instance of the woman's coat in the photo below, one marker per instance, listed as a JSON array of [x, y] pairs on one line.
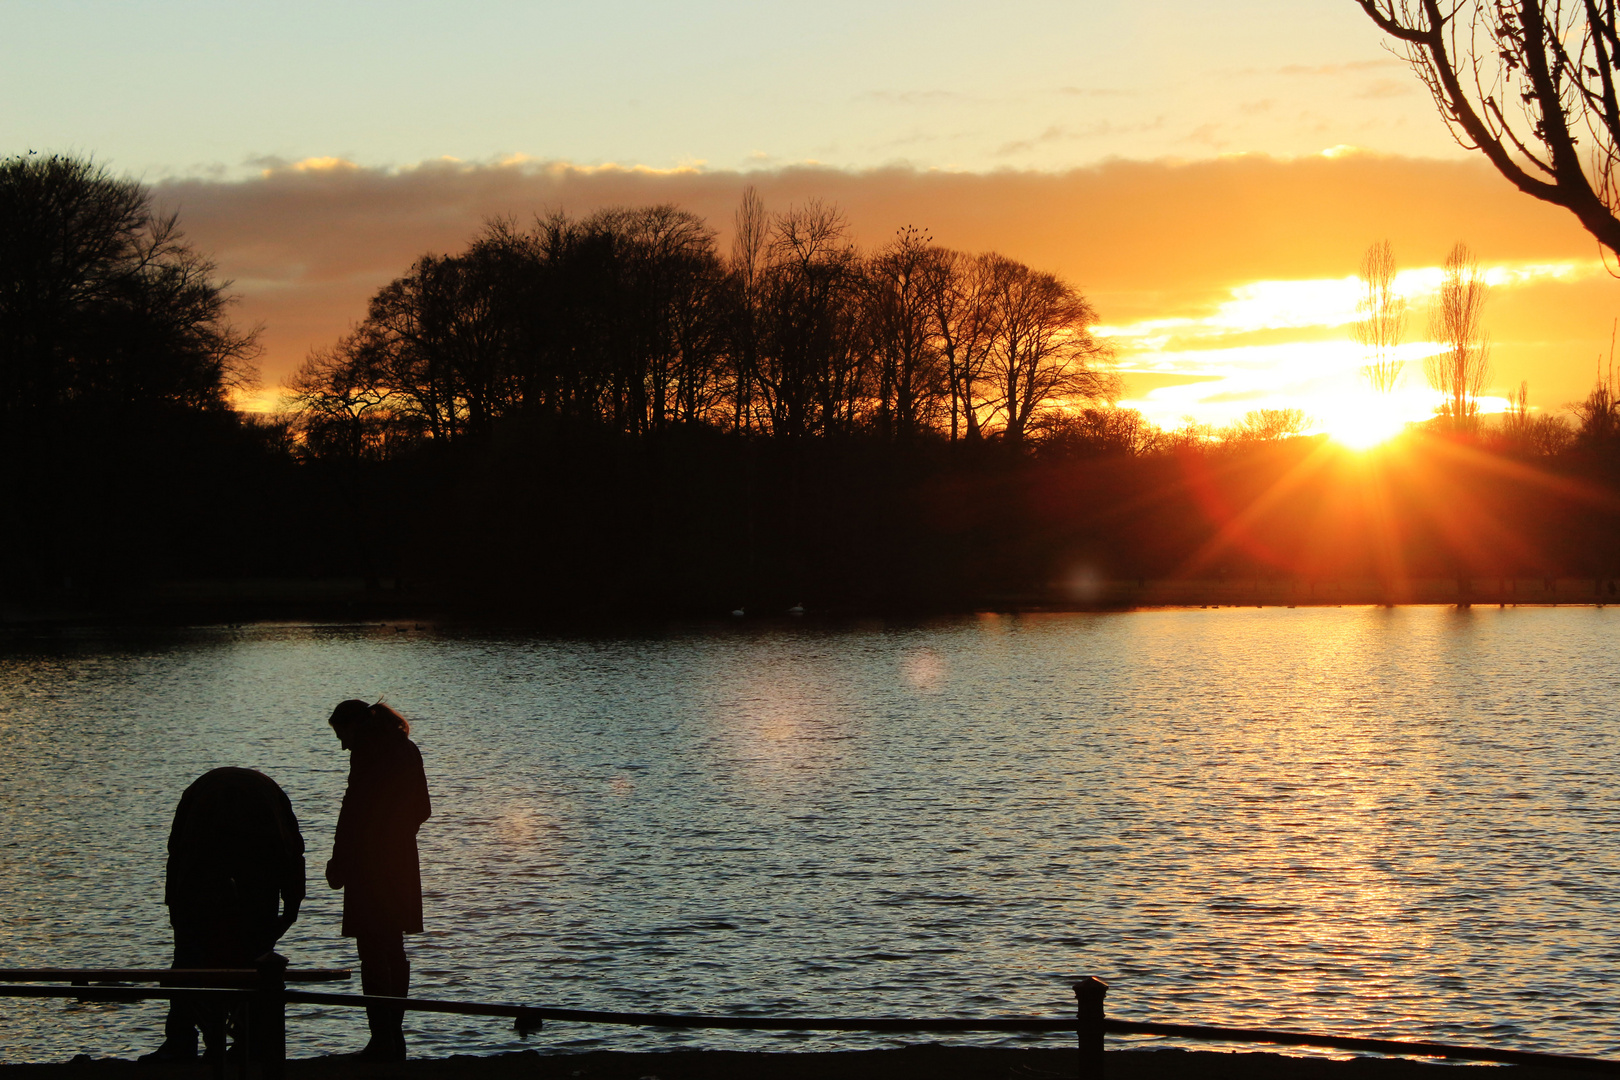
[[374, 854]]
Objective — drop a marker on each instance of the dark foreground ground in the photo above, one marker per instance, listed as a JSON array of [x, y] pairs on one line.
[[927, 1062]]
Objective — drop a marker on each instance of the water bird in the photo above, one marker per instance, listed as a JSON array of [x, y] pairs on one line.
[[796, 609], [738, 612]]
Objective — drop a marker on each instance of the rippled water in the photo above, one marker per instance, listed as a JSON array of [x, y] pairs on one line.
[[1389, 822]]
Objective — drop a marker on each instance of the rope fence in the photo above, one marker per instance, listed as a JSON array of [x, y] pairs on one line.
[[257, 999]]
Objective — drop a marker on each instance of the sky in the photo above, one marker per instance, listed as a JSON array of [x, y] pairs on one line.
[[1207, 174]]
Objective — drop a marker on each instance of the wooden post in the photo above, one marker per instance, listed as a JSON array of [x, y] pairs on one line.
[[526, 1023], [269, 1026], [217, 1056], [1088, 996], [244, 1013]]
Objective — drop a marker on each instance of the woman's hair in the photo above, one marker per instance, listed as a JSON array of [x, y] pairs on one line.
[[378, 717]]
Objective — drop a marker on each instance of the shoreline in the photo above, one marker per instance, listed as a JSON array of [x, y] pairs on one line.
[[343, 600], [926, 1061]]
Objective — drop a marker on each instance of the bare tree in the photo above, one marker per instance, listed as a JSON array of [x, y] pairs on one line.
[[901, 281], [811, 372], [1524, 83], [440, 337], [1525, 433], [1517, 418], [342, 406], [1381, 318], [1099, 431], [1043, 352], [1598, 416], [1266, 425], [751, 232], [1456, 322], [965, 324], [670, 276], [1191, 436]]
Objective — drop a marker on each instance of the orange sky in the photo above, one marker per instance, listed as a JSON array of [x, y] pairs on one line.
[[1177, 246]]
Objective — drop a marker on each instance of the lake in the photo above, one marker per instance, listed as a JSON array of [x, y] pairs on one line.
[[1393, 822]]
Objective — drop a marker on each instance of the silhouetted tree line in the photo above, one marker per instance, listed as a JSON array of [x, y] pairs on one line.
[[609, 415], [630, 321]]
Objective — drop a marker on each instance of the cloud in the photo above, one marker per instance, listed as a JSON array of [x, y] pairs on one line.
[[1054, 133], [271, 164], [1094, 92], [1145, 240], [1387, 88], [1208, 135], [1065, 133]]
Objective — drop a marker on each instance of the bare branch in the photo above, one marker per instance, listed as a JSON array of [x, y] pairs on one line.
[[1477, 57]]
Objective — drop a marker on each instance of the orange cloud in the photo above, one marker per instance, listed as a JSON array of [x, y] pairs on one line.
[[308, 243]]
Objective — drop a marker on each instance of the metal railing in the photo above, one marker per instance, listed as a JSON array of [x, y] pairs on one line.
[[258, 998], [252, 998]]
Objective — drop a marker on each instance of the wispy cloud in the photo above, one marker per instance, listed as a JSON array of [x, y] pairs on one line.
[[1209, 135], [1387, 88], [1054, 133], [1058, 133], [924, 138]]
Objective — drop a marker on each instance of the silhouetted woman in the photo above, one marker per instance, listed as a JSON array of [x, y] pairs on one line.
[[374, 858]]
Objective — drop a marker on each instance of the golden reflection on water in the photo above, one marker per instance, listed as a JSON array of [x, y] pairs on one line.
[[924, 670], [776, 722], [519, 825]]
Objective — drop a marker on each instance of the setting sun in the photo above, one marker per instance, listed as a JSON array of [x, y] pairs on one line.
[[1359, 418], [1363, 430]]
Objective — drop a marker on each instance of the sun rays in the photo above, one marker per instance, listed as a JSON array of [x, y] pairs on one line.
[[1390, 512]]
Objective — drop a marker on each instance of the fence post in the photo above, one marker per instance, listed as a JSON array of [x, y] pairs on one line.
[[269, 1027], [1088, 996]]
